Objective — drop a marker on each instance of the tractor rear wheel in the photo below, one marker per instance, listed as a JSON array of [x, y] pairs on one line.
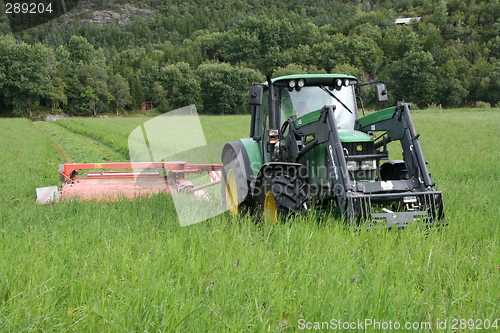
[[234, 189], [231, 193], [283, 195], [270, 211]]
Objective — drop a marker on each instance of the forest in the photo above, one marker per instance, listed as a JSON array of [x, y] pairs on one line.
[[106, 57]]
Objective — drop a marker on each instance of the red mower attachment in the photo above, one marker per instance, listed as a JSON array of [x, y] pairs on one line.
[[111, 181]]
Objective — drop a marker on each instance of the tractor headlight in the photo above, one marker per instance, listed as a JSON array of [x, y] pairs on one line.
[[301, 83], [352, 165], [291, 83], [368, 165]]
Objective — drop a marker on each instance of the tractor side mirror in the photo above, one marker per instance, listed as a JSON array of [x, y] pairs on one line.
[[381, 92], [255, 95]]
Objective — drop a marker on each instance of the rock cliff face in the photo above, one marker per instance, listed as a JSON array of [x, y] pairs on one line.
[[118, 14]]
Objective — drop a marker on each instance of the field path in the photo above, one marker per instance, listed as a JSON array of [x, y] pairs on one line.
[[64, 155], [77, 148]]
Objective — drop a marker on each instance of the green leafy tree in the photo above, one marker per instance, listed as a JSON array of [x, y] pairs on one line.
[[211, 45], [304, 33], [23, 70], [119, 89], [182, 85], [259, 41], [327, 55], [64, 65], [296, 69], [493, 96], [274, 58], [270, 33], [368, 20], [290, 69], [440, 13], [159, 94], [57, 93], [398, 41], [80, 50], [4, 21], [363, 52], [240, 46], [93, 89], [479, 80], [347, 69], [431, 38], [368, 30], [189, 88], [225, 88], [494, 47], [485, 81], [453, 78], [413, 79], [301, 55], [90, 99]]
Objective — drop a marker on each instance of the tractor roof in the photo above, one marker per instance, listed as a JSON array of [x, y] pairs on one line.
[[311, 79]]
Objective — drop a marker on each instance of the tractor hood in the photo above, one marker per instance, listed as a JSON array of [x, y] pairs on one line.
[[346, 135], [354, 136]]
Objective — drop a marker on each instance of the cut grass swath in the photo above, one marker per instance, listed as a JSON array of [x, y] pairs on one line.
[[80, 148]]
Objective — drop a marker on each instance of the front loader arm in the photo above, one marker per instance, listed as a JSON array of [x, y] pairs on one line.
[[398, 125], [324, 130]]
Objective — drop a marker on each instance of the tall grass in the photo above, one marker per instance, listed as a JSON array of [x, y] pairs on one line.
[[28, 158], [128, 266]]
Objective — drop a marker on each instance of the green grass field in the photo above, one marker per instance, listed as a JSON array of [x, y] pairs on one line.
[[129, 266]]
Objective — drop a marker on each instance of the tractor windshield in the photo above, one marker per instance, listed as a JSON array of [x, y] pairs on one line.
[[297, 103]]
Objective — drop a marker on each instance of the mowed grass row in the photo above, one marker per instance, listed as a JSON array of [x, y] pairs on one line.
[[78, 148], [113, 133], [128, 266], [110, 132]]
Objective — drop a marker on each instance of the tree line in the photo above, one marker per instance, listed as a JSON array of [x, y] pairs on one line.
[[208, 54]]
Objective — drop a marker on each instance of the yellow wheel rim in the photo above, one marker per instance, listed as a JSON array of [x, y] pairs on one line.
[[231, 193], [270, 211]]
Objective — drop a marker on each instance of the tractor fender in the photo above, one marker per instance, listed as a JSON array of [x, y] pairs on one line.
[[253, 151], [236, 176], [248, 155]]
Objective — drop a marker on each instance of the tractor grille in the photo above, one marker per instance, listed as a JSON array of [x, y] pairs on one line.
[[359, 148]]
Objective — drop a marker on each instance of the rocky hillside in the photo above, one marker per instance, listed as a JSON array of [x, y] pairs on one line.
[[116, 15]]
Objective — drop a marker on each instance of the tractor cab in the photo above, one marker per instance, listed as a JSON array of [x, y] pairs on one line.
[[296, 97], [296, 102]]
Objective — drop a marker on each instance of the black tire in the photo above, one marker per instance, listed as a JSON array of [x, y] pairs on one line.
[[235, 192], [283, 195]]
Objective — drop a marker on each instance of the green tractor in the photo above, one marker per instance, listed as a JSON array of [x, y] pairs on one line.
[[309, 150]]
